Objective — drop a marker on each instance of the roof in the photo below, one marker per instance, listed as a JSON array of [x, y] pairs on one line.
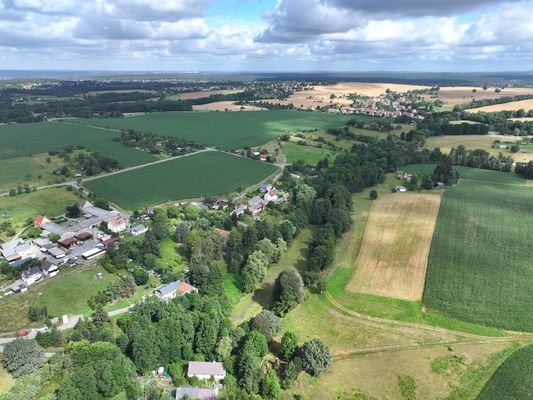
[[111, 240], [272, 192], [67, 242], [265, 186], [39, 219], [54, 228], [47, 266], [255, 200], [206, 368], [139, 228], [196, 393], [117, 221], [84, 204], [185, 288], [169, 288], [84, 235], [31, 271], [56, 251]]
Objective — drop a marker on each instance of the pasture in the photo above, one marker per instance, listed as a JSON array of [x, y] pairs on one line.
[[23, 140], [513, 380], [221, 129], [309, 154], [204, 174], [455, 95], [480, 261], [393, 258], [33, 171], [511, 106]]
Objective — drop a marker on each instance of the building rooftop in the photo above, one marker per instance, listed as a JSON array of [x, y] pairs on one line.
[[206, 368]]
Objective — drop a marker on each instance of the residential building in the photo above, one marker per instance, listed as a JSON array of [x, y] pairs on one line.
[[239, 210], [271, 195], [138, 230], [197, 393], [117, 224], [206, 370], [265, 187], [56, 252], [173, 289], [400, 189], [39, 220], [48, 268], [31, 276]]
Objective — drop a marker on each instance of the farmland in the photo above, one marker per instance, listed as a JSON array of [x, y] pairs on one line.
[[511, 106], [480, 261], [226, 130], [22, 140], [310, 154], [513, 380], [454, 95], [204, 174], [225, 106], [396, 244], [33, 171]]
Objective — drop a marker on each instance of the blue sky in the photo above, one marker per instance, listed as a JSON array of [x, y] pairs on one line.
[[267, 35]]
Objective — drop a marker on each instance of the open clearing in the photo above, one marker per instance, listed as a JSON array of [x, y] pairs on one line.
[[225, 106], [454, 95], [67, 293], [511, 106], [310, 154], [480, 266], [513, 380], [226, 130], [33, 171], [396, 243], [204, 174], [22, 140]]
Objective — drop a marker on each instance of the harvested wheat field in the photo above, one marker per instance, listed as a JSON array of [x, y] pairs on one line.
[[225, 106], [511, 106], [454, 95], [320, 95], [394, 254]]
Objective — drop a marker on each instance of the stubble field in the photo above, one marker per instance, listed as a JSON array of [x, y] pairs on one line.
[[511, 106], [396, 243]]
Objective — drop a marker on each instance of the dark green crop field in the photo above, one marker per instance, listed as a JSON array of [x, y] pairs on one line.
[[480, 265], [225, 129], [208, 173], [513, 380], [27, 139]]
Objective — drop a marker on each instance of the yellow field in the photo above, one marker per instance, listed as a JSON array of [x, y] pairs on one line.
[[525, 119], [225, 105], [472, 142], [320, 95], [512, 106], [396, 243], [454, 95]]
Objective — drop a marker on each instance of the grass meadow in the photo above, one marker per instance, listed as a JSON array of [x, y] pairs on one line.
[[23, 140], [513, 380], [224, 129], [33, 171], [309, 154], [204, 174], [480, 266]]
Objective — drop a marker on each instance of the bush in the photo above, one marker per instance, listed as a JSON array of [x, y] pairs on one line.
[[267, 323], [140, 276], [316, 357], [37, 313], [373, 194], [22, 357]]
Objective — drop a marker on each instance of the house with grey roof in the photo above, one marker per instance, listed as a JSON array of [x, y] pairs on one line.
[[49, 268], [206, 370], [31, 276], [138, 229], [197, 393], [173, 289]]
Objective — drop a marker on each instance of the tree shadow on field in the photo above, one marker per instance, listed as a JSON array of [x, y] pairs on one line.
[[263, 295]]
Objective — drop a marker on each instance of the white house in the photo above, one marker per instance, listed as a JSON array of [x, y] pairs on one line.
[[49, 268], [271, 195], [206, 370], [138, 230], [31, 276], [117, 224], [173, 289]]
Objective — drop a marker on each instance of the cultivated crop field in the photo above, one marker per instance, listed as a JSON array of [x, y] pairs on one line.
[[396, 243], [226, 130], [454, 95], [513, 380], [225, 106], [20, 140], [204, 174], [480, 267], [511, 106]]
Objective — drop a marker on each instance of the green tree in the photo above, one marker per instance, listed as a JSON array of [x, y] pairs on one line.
[[315, 356], [140, 276], [22, 357], [288, 291], [270, 388], [289, 345], [267, 323], [100, 317], [373, 194]]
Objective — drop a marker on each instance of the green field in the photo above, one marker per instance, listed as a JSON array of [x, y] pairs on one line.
[[226, 130], [513, 380], [67, 293], [475, 174], [480, 266], [50, 202], [310, 154], [204, 174], [19, 140]]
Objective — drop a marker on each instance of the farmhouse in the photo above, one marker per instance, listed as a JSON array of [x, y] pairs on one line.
[[271, 195], [404, 176], [49, 268], [256, 205], [117, 224], [56, 252], [39, 220], [31, 276], [265, 187], [206, 370], [220, 204], [138, 230], [197, 393], [173, 289], [239, 210], [18, 250]]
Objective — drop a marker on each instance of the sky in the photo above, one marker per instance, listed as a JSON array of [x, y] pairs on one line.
[[267, 35]]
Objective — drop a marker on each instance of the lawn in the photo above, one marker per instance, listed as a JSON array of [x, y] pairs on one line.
[[251, 304], [396, 243], [19, 140], [224, 129], [170, 257], [475, 174], [33, 171], [480, 266], [50, 202], [204, 174], [66, 293], [309, 154], [513, 380]]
